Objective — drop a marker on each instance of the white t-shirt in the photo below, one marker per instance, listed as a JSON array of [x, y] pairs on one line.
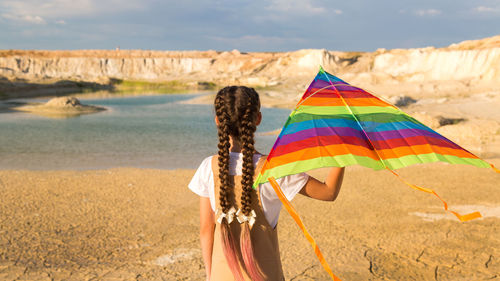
[[202, 184]]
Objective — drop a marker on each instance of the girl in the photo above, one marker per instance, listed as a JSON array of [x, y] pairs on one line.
[[238, 223]]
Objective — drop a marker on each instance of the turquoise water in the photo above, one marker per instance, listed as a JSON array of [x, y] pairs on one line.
[[152, 131]]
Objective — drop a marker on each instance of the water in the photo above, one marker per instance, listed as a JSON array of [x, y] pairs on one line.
[[152, 131]]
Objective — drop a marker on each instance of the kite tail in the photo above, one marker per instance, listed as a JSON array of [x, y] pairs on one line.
[[247, 254], [462, 218], [293, 213], [495, 168], [229, 249]]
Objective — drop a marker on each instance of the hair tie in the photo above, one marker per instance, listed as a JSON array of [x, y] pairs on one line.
[[229, 215], [243, 218]]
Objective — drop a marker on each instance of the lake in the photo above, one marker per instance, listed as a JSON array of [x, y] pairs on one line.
[[150, 131]]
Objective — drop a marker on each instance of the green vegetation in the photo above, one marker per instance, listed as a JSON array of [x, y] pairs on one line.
[[207, 85], [115, 86], [443, 121], [173, 86], [274, 87]]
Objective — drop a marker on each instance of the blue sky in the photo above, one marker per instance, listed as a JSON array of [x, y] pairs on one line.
[[246, 25]]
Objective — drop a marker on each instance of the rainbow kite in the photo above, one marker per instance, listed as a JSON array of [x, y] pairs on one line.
[[337, 124]]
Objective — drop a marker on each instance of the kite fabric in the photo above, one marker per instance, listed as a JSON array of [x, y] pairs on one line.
[[336, 125]]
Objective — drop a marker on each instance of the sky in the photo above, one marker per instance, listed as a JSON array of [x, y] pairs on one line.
[[246, 25]]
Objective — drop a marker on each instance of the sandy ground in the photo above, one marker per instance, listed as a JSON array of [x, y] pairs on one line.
[[141, 224]]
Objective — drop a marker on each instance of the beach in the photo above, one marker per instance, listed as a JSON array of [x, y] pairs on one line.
[[142, 224]]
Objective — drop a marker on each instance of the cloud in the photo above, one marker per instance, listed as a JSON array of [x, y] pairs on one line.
[[252, 38], [259, 42], [57, 9], [24, 18], [296, 6], [484, 9], [250, 25], [427, 12], [286, 11]]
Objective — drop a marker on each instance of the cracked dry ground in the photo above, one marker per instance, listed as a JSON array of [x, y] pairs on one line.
[[141, 224]]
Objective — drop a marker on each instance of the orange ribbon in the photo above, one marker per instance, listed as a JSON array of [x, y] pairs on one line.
[[301, 225], [494, 168], [467, 217]]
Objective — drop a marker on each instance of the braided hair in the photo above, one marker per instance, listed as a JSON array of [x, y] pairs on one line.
[[237, 109]]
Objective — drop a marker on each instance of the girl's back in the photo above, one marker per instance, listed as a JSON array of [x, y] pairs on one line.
[[264, 237]]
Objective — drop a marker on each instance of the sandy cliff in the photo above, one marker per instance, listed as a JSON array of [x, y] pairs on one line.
[[470, 66]]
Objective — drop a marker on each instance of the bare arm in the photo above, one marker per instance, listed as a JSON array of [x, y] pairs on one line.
[[328, 190], [207, 228]]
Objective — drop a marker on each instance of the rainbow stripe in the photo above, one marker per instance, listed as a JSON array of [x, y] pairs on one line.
[[337, 124]]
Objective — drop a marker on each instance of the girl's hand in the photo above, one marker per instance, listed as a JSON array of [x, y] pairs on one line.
[[328, 190]]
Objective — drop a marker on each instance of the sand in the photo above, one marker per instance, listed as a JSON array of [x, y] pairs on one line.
[[142, 224]]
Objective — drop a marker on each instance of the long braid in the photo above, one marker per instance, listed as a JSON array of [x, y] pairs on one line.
[[247, 131], [224, 145], [247, 142], [228, 241]]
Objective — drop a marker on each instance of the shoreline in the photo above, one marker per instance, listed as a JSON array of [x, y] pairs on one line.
[[14, 105], [474, 122]]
